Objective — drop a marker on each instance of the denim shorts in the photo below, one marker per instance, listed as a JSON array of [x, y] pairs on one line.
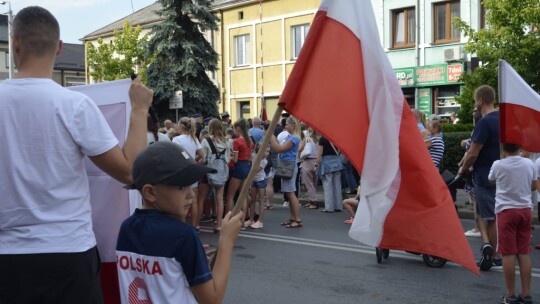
[[485, 202], [241, 169], [259, 185]]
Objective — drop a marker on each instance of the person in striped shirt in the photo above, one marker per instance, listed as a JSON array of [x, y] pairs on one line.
[[435, 144]]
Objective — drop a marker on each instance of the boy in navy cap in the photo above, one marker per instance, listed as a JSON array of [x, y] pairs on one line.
[[160, 258]]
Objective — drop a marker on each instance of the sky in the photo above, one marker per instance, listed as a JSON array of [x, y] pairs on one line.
[[77, 18]]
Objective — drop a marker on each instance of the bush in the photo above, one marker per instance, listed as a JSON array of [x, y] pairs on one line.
[[452, 149], [468, 127]]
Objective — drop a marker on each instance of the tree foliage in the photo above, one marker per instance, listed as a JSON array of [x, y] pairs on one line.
[[511, 33], [184, 56], [121, 57]]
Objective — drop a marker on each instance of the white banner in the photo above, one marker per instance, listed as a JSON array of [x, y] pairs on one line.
[[111, 204]]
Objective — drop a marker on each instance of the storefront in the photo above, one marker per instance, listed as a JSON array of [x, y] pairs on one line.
[[433, 88]]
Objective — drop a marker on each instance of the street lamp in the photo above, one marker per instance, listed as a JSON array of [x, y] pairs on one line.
[[10, 51]]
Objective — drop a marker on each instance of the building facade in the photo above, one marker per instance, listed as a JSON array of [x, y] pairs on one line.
[[258, 43], [426, 48]]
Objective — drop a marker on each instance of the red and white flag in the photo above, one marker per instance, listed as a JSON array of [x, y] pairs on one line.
[[343, 86], [519, 109]]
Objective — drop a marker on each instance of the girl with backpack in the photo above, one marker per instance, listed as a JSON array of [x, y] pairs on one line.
[[217, 153]]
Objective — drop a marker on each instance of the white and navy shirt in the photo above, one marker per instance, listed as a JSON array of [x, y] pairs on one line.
[[436, 150], [158, 259]]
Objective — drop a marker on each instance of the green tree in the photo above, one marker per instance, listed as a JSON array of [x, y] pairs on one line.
[[120, 57], [511, 33], [184, 56]]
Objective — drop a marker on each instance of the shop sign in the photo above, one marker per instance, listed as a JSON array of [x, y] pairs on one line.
[[405, 77], [424, 100], [431, 75]]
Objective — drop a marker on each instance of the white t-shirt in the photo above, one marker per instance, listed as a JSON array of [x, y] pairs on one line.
[[514, 176], [186, 142], [260, 175], [43, 183], [150, 139], [282, 136]]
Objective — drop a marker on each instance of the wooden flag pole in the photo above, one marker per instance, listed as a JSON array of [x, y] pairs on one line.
[[252, 171], [255, 165]]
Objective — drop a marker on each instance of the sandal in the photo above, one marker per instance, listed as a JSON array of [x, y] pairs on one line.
[[294, 224], [268, 207], [313, 206], [288, 222]]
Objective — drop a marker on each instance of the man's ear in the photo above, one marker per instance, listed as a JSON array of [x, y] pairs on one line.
[[148, 192], [60, 48]]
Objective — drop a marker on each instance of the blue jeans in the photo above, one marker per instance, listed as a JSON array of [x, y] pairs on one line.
[[349, 178]]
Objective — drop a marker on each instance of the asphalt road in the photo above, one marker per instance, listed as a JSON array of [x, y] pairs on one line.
[[319, 263]]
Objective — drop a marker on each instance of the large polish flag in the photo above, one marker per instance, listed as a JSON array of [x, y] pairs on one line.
[[343, 86], [519, 109]]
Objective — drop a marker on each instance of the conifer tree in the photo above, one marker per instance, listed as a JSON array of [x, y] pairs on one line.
[[183, 57]]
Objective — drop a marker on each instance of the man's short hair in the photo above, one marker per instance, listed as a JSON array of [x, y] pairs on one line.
[[486, 93], [37, 31], [256, 120], [512, 148]]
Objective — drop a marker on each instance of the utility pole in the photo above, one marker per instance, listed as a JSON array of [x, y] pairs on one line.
[[10, 52]]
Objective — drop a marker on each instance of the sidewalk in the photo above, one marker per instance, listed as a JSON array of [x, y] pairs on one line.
[[465, 210]]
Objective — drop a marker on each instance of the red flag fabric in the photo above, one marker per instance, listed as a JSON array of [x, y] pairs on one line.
[[343, 86], [264, 116], [519, 109]]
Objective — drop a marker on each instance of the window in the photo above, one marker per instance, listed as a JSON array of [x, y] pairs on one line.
[[241, 50], [298, 36], [403, 29], [443, 14], [245, 109]]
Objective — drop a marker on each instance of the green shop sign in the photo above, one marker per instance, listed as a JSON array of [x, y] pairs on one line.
[[429, 75]]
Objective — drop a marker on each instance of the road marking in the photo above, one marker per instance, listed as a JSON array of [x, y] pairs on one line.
[[342, 246]]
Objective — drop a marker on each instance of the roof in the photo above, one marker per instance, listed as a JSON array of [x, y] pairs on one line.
[[71, 58], [3, 28], [143, 17], [221, 4]]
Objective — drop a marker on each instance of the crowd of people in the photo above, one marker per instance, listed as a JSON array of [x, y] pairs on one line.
[[49, 251]]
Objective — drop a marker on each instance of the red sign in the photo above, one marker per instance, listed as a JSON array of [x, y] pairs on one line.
[[454, 71]]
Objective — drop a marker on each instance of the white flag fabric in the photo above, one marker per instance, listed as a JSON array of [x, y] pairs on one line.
[[111, 204], [519, 109]]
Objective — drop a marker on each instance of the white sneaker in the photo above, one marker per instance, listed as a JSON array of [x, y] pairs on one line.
[[473, 233], [257, 225], [285, 204]]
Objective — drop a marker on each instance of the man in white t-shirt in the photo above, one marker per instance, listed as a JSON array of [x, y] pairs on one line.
[[47, 246]]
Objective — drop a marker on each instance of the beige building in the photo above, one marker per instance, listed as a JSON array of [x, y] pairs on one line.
[[258, 46]]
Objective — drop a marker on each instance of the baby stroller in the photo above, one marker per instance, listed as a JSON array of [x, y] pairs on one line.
[[430, 260], [451, 181]]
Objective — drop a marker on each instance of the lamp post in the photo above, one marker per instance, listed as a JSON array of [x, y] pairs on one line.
[[10, 51]]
